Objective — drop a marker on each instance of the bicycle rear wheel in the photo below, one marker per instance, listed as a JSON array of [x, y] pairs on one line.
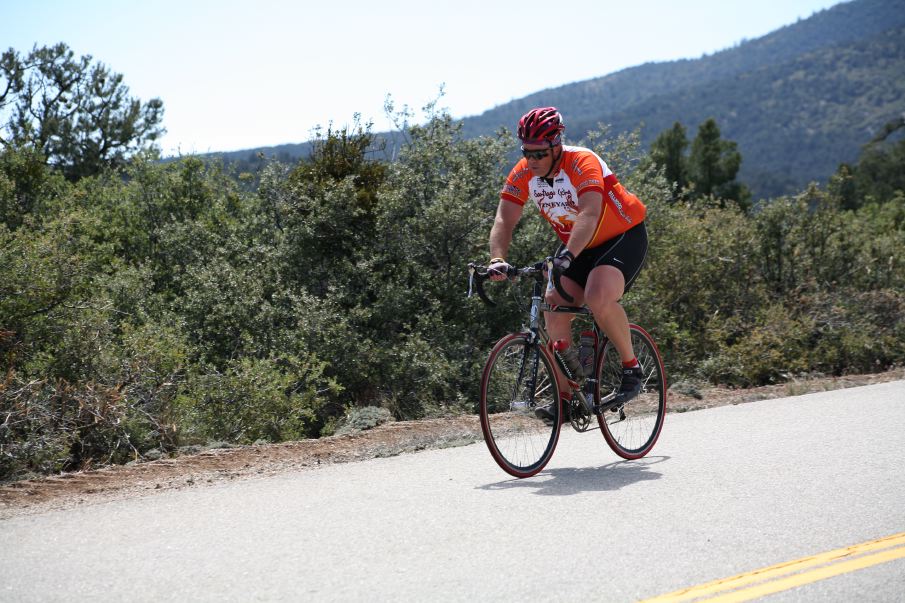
[[519, 377], [632, 429]]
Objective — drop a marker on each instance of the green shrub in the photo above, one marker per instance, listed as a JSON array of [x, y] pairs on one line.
[[360, 419], [51, 427], [773, 350], [272, 399]]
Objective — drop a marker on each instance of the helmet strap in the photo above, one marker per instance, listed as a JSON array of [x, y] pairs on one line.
[[555, 161]]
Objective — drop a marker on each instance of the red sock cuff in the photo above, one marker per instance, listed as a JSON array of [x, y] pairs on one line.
[[633, 363]]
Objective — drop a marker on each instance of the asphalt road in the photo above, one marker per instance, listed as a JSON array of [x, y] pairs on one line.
[[726, 491]]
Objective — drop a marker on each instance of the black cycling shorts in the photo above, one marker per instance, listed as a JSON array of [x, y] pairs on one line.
[[625, 252]]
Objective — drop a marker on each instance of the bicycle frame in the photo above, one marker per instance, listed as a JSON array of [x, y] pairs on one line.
[[537, 333]]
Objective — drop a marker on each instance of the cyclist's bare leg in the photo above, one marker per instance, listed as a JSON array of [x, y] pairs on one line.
[[605, 287], [559, 326]]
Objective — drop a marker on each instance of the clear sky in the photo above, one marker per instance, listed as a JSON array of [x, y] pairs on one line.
[[235, 75]]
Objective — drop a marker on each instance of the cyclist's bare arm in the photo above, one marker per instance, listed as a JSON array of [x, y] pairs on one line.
[[508, 215], [590, 205]]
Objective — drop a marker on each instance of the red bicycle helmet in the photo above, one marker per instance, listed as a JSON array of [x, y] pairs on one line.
[[541, 126]]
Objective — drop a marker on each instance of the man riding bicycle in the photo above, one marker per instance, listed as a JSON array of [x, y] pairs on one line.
[[600, 224]]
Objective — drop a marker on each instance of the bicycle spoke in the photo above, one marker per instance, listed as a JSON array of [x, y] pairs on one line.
[[517, 379], [632, 430]]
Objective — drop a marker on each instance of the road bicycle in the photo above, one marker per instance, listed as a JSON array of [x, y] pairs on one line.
[[520, 376]]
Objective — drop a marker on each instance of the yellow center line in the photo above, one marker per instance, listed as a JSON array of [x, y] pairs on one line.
[[768, 588], [842, 559]]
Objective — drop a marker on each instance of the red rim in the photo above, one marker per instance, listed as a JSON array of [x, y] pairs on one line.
[[485, 426], [601, 420]]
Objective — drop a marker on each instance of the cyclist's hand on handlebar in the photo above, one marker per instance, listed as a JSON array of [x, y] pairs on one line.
[[562, 261], [498, 268]]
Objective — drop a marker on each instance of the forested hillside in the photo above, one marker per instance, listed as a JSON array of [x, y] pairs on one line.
[[798, 101], [796, 121]]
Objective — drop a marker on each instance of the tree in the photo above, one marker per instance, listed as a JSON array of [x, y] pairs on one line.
[[713, 164], [668, 152], [881, 171], [329, 205], [709, 171], [878, 175], [79, 115], [346, 152]]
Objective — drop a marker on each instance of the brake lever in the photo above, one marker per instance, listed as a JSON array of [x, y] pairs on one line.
[[477, 284], [553, 279]]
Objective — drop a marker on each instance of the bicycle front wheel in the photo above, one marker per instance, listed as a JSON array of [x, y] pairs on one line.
[[518, 378], [632, 429]]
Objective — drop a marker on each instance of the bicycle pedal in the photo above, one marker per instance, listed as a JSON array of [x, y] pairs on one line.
[[609, 402]]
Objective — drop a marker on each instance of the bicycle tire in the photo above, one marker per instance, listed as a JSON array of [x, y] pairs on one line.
[[519, 442], [632, 430]]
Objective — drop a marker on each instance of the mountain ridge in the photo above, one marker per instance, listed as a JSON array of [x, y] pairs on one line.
[[798, 100]]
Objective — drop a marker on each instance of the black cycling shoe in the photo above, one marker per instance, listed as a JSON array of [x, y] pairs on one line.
[[631, 384], [545, 414]]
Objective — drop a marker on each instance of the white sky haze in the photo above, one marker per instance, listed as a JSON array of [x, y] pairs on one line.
[[236, 75]]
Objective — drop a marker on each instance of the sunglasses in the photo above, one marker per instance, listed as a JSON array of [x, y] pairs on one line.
[[536, 155]]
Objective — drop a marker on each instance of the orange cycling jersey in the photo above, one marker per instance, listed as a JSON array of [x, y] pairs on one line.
[[581, 170]]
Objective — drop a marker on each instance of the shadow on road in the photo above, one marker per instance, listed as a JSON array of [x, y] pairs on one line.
[[572, 480]]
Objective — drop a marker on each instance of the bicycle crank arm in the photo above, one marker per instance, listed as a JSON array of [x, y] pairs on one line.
[[608, 403], [588, 403]]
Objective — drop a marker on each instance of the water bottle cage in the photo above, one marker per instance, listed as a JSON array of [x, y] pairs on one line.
[[568, 372], [563, 366]]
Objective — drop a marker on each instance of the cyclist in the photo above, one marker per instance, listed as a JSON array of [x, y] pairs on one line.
[[600, 224]]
